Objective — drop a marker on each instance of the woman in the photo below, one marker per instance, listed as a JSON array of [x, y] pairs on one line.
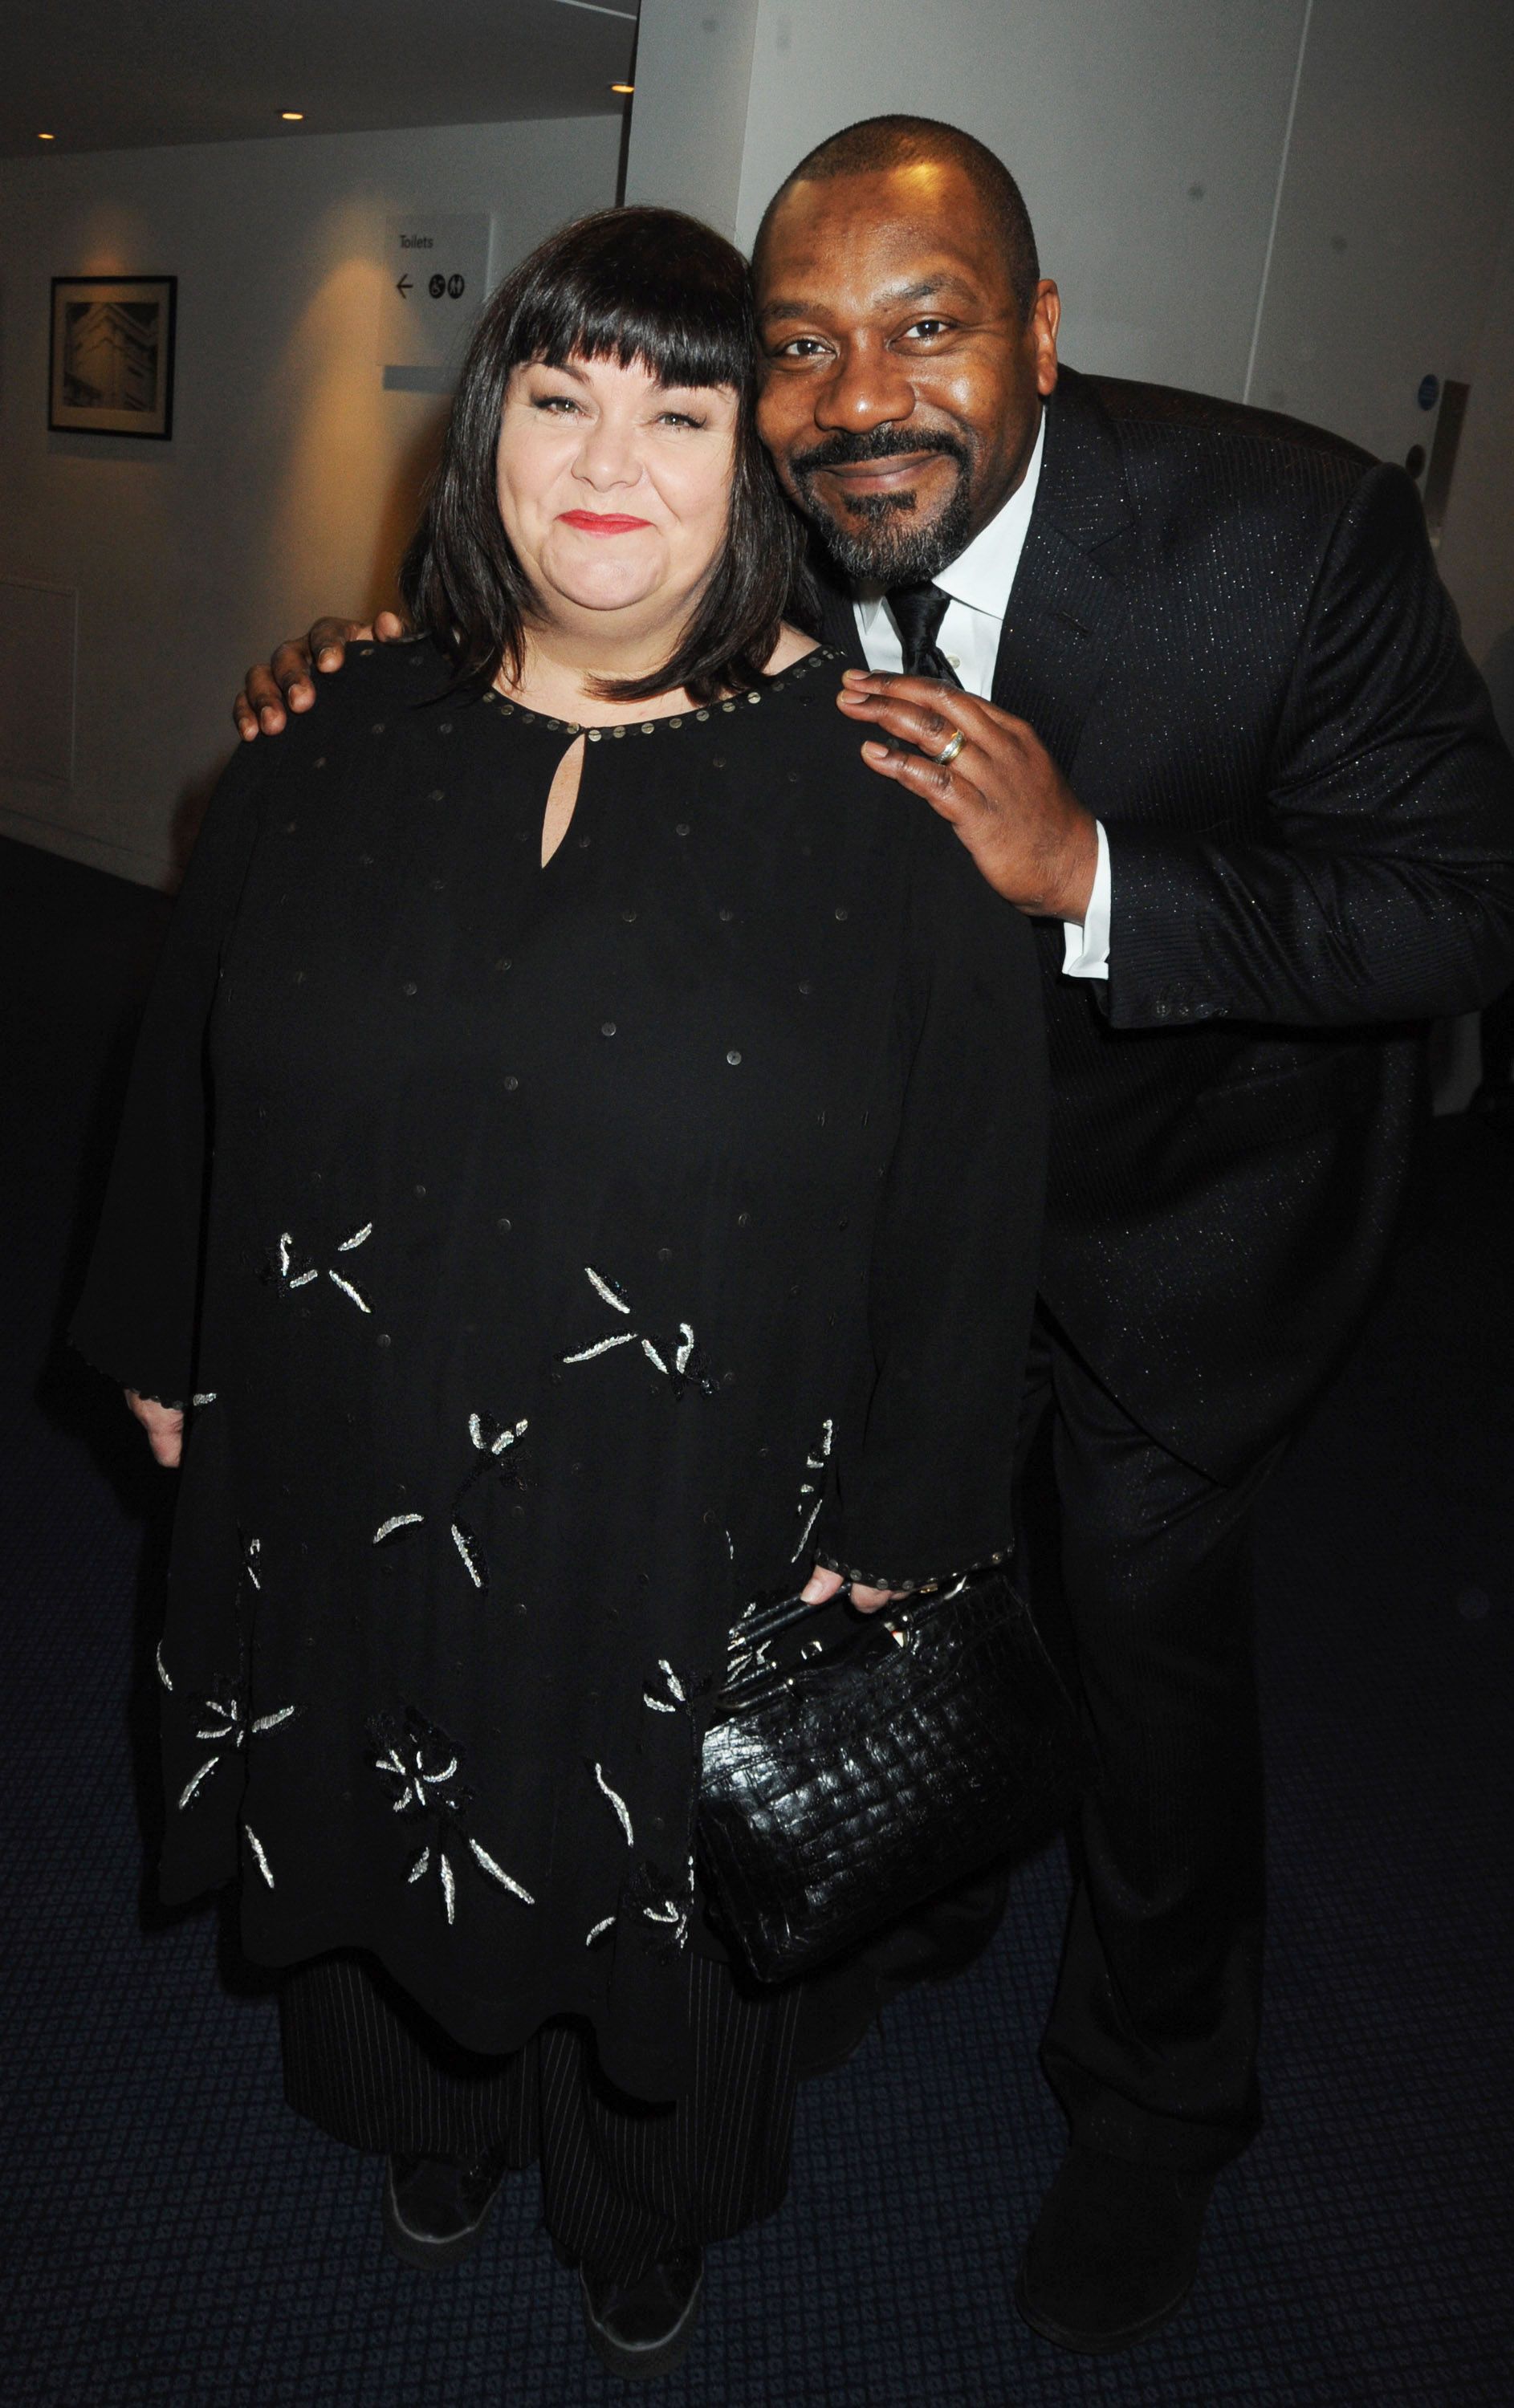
[[581, 1168]]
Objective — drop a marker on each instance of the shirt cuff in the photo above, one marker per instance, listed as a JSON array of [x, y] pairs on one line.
[[1087, 953]]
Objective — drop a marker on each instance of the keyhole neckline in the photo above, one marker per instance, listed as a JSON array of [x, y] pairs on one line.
[[673, 722], [559, 810]]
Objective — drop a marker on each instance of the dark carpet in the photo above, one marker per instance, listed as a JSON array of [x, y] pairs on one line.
[[175, 2236]]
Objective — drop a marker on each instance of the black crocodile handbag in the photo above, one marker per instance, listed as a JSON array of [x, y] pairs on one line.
[[856, 1764]]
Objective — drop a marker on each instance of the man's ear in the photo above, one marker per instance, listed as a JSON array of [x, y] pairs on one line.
[[1045, 317]]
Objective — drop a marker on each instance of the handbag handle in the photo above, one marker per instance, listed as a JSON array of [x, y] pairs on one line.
[[777, 1614]]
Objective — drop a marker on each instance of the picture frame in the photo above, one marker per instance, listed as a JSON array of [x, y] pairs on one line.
[[110, 362]]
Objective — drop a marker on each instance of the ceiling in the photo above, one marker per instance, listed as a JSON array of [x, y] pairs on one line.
[[107, 75]]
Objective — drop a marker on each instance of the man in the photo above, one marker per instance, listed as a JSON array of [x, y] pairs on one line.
[[1181, 676]]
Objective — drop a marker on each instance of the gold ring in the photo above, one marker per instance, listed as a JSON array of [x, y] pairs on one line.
[[952, 748]]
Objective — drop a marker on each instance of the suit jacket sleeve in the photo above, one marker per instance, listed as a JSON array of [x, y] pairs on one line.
[[1380, 884], [925, 1448], [135, 1319]]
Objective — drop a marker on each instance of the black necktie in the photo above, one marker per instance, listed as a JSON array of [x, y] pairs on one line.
[[918, 611]]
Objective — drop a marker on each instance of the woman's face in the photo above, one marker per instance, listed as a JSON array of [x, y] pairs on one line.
[[614, 490]]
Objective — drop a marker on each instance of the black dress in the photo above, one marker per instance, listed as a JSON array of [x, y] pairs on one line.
[[550, 1259]]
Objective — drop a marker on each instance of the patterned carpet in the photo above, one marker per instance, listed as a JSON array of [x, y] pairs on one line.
[[174, 2236]]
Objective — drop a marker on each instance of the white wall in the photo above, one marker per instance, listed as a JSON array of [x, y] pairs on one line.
[[291, 479], [1145, 137], [1400, 167], [688, 130], [1476, 550], [1297, 202]]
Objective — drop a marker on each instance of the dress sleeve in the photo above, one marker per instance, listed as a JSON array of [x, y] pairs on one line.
[[136, 1318], [924, 1458]]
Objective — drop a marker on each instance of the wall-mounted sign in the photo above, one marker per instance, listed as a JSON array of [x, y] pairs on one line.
[[436, 273]]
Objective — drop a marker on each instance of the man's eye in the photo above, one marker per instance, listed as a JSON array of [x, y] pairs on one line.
[[803, 347], [929, 329]]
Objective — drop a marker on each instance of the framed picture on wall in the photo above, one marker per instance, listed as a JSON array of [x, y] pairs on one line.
[[111, 362]]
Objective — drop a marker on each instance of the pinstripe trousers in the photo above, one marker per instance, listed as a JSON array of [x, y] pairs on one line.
[[624, 2182]]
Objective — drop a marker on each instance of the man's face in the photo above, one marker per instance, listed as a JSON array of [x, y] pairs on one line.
[[900, 386]]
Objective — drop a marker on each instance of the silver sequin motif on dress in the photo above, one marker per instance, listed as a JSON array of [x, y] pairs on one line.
[[425, 1770]]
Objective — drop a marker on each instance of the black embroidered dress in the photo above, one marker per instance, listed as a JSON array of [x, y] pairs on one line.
[[550, 1258]]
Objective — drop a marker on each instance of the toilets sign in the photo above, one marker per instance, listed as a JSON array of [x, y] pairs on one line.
[[436, 275]]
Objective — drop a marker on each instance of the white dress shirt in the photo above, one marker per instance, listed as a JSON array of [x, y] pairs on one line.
[[978, 582]]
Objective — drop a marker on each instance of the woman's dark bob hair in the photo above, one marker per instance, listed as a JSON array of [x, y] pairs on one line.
[[644, 287]]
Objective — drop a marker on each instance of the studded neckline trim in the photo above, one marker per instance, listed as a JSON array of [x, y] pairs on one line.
[[672, 721]]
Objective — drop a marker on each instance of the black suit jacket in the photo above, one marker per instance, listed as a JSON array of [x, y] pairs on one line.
[[1228, 629]]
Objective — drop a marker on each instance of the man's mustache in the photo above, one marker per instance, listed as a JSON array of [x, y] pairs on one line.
[[883, 444]]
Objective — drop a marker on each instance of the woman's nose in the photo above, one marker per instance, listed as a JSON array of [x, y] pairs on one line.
[[608, 457]]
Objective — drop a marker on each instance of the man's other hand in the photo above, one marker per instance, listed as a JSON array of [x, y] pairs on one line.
[[288, 683]]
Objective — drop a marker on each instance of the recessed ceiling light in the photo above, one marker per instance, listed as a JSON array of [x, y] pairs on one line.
[[292, 116], [623, 87], [46, 137]]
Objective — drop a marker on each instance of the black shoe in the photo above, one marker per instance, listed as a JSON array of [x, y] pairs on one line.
[[1114, 2252], [434, 2211], [639, 2329]]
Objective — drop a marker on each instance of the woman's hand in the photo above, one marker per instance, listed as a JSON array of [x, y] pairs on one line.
[[259, 710], [822, 1585], [164, 1427]]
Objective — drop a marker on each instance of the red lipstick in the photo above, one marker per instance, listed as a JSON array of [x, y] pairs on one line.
[[602, 522]]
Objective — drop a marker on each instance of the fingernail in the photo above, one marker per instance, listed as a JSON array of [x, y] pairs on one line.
[[875, 751], [327, 660]]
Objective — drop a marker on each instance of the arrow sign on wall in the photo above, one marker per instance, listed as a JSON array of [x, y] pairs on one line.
[[444, 255]]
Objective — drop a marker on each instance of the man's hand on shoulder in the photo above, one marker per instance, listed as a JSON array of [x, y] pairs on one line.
[[288, 683], [992, 778]]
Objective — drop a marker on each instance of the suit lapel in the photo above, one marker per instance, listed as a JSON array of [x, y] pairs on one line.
[[1068, 598]]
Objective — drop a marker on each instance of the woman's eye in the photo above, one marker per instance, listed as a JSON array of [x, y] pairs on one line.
[[554, 403], [678, 418]]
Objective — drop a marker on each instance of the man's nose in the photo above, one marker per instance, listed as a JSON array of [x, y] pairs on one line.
[[866, 388]]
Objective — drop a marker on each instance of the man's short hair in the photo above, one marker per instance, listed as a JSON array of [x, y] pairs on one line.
[[875, 144]]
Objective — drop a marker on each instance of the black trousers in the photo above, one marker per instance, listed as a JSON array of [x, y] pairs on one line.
[[623, 2182], [1152, 2039]]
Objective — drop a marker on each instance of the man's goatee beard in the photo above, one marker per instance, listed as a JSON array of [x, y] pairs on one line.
[[881, 541]]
